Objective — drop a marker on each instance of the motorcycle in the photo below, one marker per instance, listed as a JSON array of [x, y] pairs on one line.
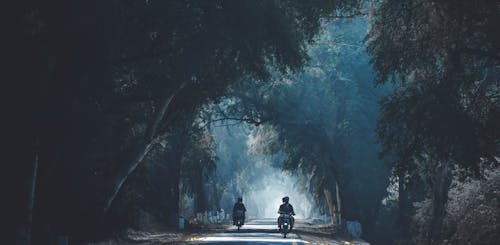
[[285, 223], [238, 219]]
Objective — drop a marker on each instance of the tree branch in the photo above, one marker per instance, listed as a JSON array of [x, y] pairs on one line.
[[354, 15], [242, 119], [151, 139], [152, 130]]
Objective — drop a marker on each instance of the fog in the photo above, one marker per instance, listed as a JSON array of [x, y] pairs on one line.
[[256, 178], [265, 197]]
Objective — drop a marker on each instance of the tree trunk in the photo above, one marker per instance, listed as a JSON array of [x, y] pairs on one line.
[[31, 200], [124, 172], [339, 207], [176, 196], [179, 149], [404, 209], [144, 148], [441, 185], [153, 128], [200, 202], [331, 207], [25, 219]]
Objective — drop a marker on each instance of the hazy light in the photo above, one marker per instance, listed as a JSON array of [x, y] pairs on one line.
[[268, 191]]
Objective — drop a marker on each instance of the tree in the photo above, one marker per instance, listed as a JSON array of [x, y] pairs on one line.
[[442, 58], [317, 119], [102, 82]]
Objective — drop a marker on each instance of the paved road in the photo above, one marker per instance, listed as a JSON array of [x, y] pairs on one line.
[[254, 232]]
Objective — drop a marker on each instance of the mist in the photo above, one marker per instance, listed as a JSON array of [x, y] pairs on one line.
[[139, 114], [264, 199], [257, 178]]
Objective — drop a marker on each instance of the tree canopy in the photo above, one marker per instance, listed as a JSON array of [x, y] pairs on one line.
[[106, 98], [317, 118]]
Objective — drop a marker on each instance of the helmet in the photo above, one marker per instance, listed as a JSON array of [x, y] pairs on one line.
[[240, 199], [285, 199]]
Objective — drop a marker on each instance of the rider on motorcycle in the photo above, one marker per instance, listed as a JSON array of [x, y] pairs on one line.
[[239, 209], [286, 208]]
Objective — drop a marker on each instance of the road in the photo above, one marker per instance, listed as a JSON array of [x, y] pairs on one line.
[[262, 231]]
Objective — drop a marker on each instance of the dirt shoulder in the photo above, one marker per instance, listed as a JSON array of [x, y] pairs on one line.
[[159, 236], [316, 232]]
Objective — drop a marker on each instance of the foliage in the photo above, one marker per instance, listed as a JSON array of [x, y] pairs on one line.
[[96, 77], [316, 119], [470, 211], [104, 91], [237, 170], [443, 59]]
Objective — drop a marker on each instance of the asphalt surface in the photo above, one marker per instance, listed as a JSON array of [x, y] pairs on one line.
[[263, 231]]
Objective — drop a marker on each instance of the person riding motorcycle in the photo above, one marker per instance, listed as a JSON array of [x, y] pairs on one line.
[[239, 209], [286, 208]]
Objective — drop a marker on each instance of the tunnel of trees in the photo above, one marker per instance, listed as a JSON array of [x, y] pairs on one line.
[[386, 112]]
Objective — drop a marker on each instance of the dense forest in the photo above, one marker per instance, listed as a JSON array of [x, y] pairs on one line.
[[131, 114]]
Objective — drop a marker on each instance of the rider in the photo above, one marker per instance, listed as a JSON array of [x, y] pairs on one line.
[[286, 208], [240, 208]]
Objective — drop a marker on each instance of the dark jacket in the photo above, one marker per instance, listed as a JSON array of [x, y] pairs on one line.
[[286, 208], [239, 206]]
